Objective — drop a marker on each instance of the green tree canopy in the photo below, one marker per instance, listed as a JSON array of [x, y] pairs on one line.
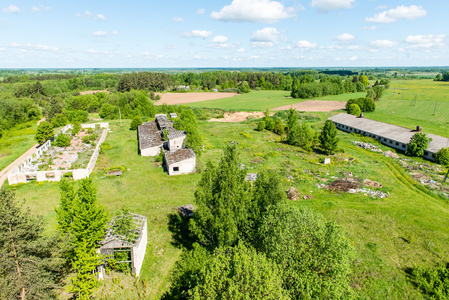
[[354, 109], [63, 140], [135, 123], [418, 143], [301, 135], [239, 273], [442, 156], [328, 137], [187, 121], [44, 132], [314, 256]]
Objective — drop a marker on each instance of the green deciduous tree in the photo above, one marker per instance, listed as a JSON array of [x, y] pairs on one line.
[[301, 135], [354, 109], [187, 121], [418, 143], [292, 118], [314, 256], [222, 199], [44, 132], [239, 273], [328, 137], [261, 125], [63, 140], [135, 123], [442, 156]]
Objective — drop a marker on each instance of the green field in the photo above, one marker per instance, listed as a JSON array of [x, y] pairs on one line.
[[425, 89], [261, 100], [390, 234], [15, 142]]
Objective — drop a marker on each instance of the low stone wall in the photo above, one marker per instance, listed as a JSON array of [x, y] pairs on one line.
[[17, 176]]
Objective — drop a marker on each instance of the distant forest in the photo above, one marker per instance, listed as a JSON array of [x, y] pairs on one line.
[[29, 94]]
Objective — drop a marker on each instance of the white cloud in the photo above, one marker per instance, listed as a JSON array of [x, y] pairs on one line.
[[268, 34], [15, 45], [100, 33], [220, 39], [354, 58], [12, 9], [2, 49], [88, 15], [197, 33], [40, 8], [254, 57], [383, 44], [369, 27], [401, 12], [345, 37], [115, 32], [263, 11], [93, 51], [262, 44], [169, 47], [353, 48], [382, 7], [41, 47], [200, 11], [241, 50], [100, 17], [178, 19], [305, 44], [425, 41], [325, 5]]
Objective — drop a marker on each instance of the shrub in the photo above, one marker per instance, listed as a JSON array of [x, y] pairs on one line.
[[136, 122], [261, 125], [59, 120], [63, 140], [442, 156], [86, 139], [76, 128], [354, 109], [418, 143], [44, 132], [366, 104], [433, 281]]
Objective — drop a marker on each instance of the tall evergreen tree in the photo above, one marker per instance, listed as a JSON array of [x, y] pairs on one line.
[[292, 118], [30, 265], [328, 137]]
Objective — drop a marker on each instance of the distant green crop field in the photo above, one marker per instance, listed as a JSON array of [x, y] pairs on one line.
[[425, 89], [261, 100]]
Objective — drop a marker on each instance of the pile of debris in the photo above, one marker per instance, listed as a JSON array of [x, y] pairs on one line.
[[251, 177], [186, 210], [344, 184], [372, 183], [368, 146], [390, 154], [374, 194], [293, 194]]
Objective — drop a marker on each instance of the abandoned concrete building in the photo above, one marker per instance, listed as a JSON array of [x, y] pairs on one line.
[[134, 242], [160, 134], [391, 135]]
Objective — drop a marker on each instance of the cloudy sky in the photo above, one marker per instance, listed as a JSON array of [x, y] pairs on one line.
[[223, 33]]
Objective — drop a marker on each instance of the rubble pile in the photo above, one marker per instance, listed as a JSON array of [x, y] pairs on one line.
[[293, 194], [367, 146], [390, 154], [344, 184]]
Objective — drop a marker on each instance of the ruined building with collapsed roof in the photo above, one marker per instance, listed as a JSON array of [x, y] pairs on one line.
[[160, 134]]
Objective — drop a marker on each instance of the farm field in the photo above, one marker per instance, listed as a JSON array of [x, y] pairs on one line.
[[390, 234], [183, 98], [261, 100], [425, 89]]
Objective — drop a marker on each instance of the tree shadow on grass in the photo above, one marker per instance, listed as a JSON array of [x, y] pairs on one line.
[[179, 227]]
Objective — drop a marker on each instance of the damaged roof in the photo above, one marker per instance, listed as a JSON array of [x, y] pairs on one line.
[[149, 135], [179, 155], [131, 239]]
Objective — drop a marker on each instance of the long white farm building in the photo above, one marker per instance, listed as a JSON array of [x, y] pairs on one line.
[[391, 135]]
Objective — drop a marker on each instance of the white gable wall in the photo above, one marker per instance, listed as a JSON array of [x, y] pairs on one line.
[[183, 167]]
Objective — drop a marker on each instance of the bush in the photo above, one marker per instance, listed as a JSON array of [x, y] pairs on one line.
[[59, 120], [418, 143], [354, 109], [366, 104], [136, 122], [433, 281], [86, 139], [76, 128], [261, 125], [63, 140], [442, 156], [44, 132]]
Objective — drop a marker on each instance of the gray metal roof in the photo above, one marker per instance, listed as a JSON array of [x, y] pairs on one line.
[[178, 155], [149, 135], [385, 130]]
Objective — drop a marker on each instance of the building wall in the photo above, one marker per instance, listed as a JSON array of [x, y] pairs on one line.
[[153, 151], [184, 167], [389, 142], [174, 144], [138, 253]]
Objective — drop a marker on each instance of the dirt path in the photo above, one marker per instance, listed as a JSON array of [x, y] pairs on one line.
[[181, 98], [314, 105]]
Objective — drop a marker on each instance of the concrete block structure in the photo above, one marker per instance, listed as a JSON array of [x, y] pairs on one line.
[[160, 134], [134, 242], [391, 135]]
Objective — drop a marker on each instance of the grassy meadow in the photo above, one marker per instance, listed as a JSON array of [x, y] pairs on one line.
[[390, 235], [15, 142]]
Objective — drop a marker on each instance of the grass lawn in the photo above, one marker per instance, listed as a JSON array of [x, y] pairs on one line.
[[261, 100], [390, 234], [15, 142]]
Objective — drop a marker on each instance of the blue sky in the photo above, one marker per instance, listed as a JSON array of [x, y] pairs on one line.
[[223, 33]]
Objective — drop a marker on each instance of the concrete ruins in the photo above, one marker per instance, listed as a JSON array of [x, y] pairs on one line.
[[160, 134]]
